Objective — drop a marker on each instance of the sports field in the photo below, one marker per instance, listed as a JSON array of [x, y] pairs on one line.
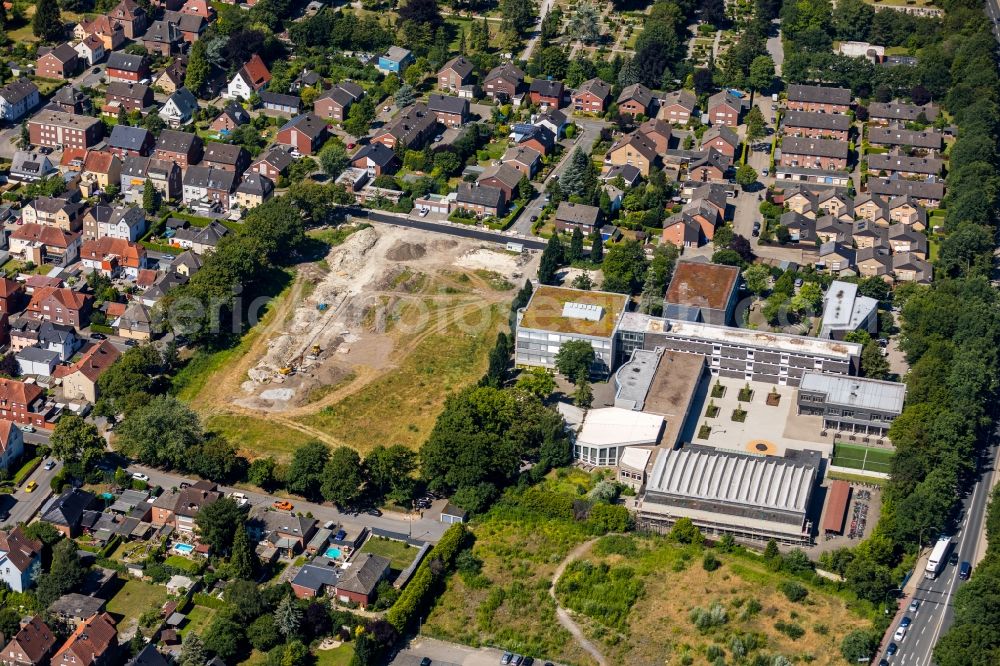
[[862, 457]]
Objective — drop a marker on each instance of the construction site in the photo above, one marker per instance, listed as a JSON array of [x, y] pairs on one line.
[[342, 355]]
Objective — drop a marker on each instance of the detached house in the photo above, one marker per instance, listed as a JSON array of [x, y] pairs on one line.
[[395, 60], [54, 211], [126, 67], [184, 148], [305, 133], [633, 149], [570, 216], [18, 553], [131, 17], [79, 381], [22, 403], [636, 99], [336, 102], [376, 159], [111, 33], [358, 582], [592, 96], [172, 78], [113, 257], [274, 163], [90, 51], [30, 167], [93, 643], [165, 176], [503, 83], [60, 305], [480, 200], [525, 160], [58, 63], [253, 190], [31, 645], [722, 139], [233, 115], [449, 111], [101, 169], [179, 109], [43, 244], [128, 96], [456, 73], [412, 128], [678, 107], [724, 108], [124, 223], [17, 99], [252, 77], [546, 93], [163, 37], [504, 177], [178, 508], [209, 187]]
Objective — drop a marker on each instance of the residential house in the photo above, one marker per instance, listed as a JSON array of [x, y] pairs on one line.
[[546, 93], [678, 107], [287, 532], [187, 263], [816, 125], [709, 165], [101, 169], [411, 129], [872, 207], [835, 256], [111, 33], [818, 99], [635, 100], [505, 177], [17, 99], [131, 16], [481, 200], [456, 73], [630, 175], [525, 160], [200, 239], [179, 109], [395, 60], [128, 96], [148, 656], [60, 305], [29, 167], [11, 296], [681, 231], [43, 244], [65, 511], [165, 176], [163, 37], [633, 149], [128, 141], [705, 215], [503, 83], [126, 67], [58, 338], [274, 163], [908, 267], [867, 234], [358, 582], [376, 159], [288, 105], [538, 138], [23, 404], [172, 78], [252, 77], [903, 239], [55, 212], [592, 96], [833, 202], [335, 102], [136, 323], [18, 553], [449, 111], [190, 25], [909, 211], [93, 643], [887, 113], [570, 216], [830, 229], [233, 115], [927, 194], [316, 578], [56, 129], [31, 645], [888, 164], [60, 62], [724, 108], [113, 257], [226, 156], [90, 51], [307, 79], [872, 261], [658, 132], [70, 99], [36, 362], [899, 137], [253, 190], [305, 134], [184, 148], [208, 187], [722, 139], [178, 508], [814, 153], [554, 120], [79, 380]]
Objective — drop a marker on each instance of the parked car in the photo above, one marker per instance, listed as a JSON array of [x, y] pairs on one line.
[[424, 211], [283, 505], [4, 515], [240, 498], [905, 622], [139, 476], [892, 649], [426, 661], [914, 605], [27, 428], [49, 464], [518, 660], [505, 659], [98, 336], [900, 634], [374, 512]]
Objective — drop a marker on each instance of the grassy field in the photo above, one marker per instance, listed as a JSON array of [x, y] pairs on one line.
[[182, 563], [399, 553], [198, 619], [442, 361], [257, 436], [134, 599], [338, 656], [640, 598], [862, 457]]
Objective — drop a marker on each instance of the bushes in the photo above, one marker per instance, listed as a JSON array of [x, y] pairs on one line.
[[790, 629], [207, 600], [710, 562], [600, 591], [793, 590], [416, 595], [704, 619]]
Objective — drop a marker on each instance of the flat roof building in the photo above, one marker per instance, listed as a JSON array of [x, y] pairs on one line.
[[844, 311], [837, 500], [607, 432], [660, 382], [555, 315], [702, 292], [851, 404], [751, 497]]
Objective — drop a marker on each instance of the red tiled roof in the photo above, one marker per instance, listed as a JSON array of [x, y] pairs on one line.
[[43, 233], [69, 299], [99, 161], [71, 155], [17, 392], [129, 253], [34, 639], [91, 640], [257, 72], [97, 359]]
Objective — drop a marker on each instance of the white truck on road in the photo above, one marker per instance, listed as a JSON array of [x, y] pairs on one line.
[[939, 555]]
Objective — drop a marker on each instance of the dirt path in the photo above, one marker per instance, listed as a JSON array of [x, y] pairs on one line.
[[565, 619]]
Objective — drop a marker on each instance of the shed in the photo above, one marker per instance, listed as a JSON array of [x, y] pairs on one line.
[[836, 506], [452, 514]]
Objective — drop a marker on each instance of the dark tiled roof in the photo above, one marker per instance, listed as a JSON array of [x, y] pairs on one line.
[[819, 94]]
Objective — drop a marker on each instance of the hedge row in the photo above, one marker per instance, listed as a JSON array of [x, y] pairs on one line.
[[207, 600], [417, 594], [26, 470]]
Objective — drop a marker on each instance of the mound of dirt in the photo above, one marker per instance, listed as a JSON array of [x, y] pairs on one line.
[[403, 251]]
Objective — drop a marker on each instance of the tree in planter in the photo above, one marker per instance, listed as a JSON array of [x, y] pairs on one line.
[[583, 281], [704, 431], [718, 390], [712, 410], [739, 414], [746, 393], [575, 358]]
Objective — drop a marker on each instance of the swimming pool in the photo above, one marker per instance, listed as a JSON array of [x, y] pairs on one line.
[[333, 553], [184, 548]]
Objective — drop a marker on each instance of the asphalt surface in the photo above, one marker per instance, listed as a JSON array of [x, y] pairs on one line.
[[936, 612], [22, 505], [460, 230], [423, 528]]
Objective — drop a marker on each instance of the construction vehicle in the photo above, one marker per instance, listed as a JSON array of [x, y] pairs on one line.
[[285, 370]]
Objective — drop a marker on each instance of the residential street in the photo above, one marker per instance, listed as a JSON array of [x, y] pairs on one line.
[[427, 528], [23, 505]]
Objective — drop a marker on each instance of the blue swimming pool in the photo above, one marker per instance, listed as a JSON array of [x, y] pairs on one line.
[[184, 548], [333, 553]]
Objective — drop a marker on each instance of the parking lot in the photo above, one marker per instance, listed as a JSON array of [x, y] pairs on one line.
[[445, 654]]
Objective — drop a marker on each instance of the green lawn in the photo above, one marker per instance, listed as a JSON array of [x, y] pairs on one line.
[[198, 619], [862, 457], [182, 563], [135, 598], [339, 656], [399, 553]]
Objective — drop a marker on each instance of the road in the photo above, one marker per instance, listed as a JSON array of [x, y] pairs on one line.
[[775, 48], [590, 131], [461, 230], [936, 612], [426, 529], [23, 505], [537, 32]]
